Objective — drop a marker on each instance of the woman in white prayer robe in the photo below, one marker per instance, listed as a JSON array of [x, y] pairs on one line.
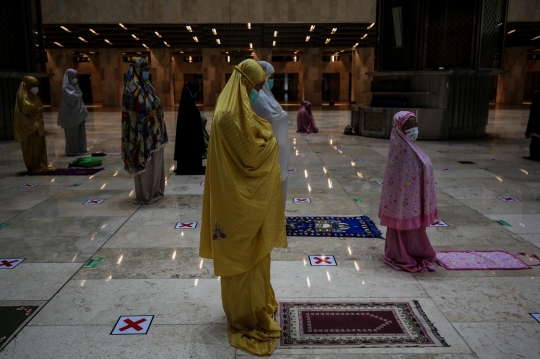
[[72, 115], [268, 108]]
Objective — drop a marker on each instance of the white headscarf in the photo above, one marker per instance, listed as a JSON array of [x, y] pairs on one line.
[[268, 108], [72, 111]]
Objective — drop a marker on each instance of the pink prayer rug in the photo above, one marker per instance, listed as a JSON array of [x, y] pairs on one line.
[[482, 260]]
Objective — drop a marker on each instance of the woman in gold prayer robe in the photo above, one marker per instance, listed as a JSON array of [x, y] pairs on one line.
[[29, 126], [243, 216]]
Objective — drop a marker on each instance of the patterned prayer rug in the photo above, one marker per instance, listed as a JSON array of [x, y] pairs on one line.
[[70, 172], [345, 226], [356, 324], [11, 318], [482, 260]]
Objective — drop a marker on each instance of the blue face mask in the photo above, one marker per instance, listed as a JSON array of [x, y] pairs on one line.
[[253, 96], [270, 83], [145, 75]]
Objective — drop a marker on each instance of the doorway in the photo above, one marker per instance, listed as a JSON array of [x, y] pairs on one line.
[[45, 90], [330, 86], [285, 87], [85, 84], [532, 84]]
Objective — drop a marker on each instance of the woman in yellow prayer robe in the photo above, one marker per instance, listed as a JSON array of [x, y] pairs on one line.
[[243, 216], [29, 126]]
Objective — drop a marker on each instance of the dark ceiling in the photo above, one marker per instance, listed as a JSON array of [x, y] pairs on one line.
[[524, 34], [232, 36]]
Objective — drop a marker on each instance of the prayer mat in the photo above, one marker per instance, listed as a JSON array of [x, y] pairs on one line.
[[482, 260], [70, 172], [11, 318], [345, 226], [356, 325]]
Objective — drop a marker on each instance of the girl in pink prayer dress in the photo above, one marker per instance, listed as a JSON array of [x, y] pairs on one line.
[[304, 121], [408, 203]]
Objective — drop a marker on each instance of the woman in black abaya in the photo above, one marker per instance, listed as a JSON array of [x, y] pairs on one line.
[[189, 147], [533, 128]]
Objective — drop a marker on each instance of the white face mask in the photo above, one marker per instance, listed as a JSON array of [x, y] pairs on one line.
[[34, 90], [412, 133], [75, 80]]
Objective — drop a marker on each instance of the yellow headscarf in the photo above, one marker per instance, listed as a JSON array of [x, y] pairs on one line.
[[243, 216], [28, 116]]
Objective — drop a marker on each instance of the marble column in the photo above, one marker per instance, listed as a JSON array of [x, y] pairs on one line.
[[161, 70], [511, 86], [111, 78], [58, 61], [211, 75], [363, 62], [312, 80]]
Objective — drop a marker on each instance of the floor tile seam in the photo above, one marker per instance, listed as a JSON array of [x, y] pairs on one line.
[[47, 301], [28, 209]]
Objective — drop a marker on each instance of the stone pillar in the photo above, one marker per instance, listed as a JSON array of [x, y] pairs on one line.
[[161, 70], [263, 54], [58, 61], [111, 78], [511, 86], [211, 75], [312, 76], [363, 62]]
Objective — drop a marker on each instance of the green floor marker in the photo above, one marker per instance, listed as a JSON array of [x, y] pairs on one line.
[[93, 262], [503, 223], [358, 199], [2, 226], [317, 152], [76, 185], [332, 170]]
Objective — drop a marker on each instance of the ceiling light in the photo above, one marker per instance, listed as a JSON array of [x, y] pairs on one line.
[[58, 44], [250, 45], [534, 38], [307, 38], [218, 41], [122, 26], [363, 37], [165, 42], [355, 45], [93, 31], [92, 52], [226, 52], [334, 30], [312, 28], [135, 37], [139, 52], [249, 25], [228, 59], [181, 52], [108, 42], [214, 31], [275, 33], [511, 31], [157, 34], [195, 39], [83, 40], [273, 43], [189, 28], [370, 26], [35, 32], [190, 59], [65, 28], [37, 45], [81, 53], [499, 24], [145, 46], [327, 41], [123, 53]]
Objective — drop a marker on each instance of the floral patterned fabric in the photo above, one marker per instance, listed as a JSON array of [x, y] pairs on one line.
[[143, 124], [408, 198]]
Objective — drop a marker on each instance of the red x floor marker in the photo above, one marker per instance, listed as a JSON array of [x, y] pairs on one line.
[[322, 261], [302, 200], [186, 225], [94, 201], [28, 185], [508, 199], [132, 325], [439, 223], [10, 263]]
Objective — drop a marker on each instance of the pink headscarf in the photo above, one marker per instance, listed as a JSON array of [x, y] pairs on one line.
[[408, 195], [304, 121]]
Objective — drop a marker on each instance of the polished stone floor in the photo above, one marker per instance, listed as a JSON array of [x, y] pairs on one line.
[[150, 268]]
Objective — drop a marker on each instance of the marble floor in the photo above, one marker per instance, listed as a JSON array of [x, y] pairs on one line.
[[151, 268]]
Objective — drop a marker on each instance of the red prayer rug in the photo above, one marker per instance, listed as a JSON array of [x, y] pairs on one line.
[[356, 324]]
